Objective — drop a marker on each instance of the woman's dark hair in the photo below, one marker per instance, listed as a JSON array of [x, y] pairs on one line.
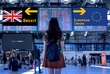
[[54, 32]]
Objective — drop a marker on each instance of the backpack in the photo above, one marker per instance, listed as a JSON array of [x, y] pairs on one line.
[[36, 54], [53, 51]]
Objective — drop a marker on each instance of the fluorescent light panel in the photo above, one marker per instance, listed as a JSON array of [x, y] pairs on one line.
[[85, 33]]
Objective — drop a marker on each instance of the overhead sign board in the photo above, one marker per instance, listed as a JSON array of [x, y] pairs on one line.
[[90, 16], [20, 16]]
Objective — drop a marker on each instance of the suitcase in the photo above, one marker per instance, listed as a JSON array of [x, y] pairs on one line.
[[5, 68], [15, 65]]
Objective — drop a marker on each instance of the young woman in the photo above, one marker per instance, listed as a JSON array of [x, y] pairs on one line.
[[53, 33]]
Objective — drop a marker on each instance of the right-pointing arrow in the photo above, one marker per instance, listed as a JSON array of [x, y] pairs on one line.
[[81, 11]]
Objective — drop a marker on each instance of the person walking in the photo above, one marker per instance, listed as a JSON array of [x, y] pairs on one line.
[[36, 58], [4, 57], [53, 58], [84, 60]]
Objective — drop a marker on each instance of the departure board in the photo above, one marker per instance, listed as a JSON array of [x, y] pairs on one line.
[[64, 16]]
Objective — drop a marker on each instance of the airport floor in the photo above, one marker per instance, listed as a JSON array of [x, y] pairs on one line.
[[93, 69]]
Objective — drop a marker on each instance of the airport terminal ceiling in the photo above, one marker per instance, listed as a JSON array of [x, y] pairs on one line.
[[86, 30], [99, 34]]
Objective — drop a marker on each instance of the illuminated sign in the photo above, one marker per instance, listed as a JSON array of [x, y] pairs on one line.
[[20, 16], [64, 16], [90, 17]]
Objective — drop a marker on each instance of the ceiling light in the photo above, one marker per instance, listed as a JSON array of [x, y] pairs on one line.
[[86, 33], [12, 1], [66, 1], [72, 33], [92, 1]]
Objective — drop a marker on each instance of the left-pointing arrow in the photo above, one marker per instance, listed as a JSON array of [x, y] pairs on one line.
[[82, 11], [28, 11]]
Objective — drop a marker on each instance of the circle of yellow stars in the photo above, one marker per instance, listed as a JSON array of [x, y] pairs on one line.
[[93, 17]]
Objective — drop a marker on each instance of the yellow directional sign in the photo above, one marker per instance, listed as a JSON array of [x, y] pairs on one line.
[[28, 11], [81, 11]]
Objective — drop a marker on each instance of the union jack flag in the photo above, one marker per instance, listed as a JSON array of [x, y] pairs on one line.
[[12, 16]]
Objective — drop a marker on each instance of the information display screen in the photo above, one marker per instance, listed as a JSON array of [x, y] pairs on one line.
[[64, 16], [23, 42]]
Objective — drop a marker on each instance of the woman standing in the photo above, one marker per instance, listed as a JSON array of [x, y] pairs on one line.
[[53, 33]]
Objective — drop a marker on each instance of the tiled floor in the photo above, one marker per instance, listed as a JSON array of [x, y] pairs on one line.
[[68, 70]]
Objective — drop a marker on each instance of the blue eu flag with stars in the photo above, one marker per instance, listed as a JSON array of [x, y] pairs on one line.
[[91, 17]]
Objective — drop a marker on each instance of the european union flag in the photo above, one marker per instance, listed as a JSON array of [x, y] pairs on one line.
[[90, 17]]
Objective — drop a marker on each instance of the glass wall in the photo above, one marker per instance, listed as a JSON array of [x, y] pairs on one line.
[[87, 47], [82, 47]]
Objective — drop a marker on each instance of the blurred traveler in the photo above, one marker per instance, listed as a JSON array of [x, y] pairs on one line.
[[84, 61], [36, 57], [4, 58]]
